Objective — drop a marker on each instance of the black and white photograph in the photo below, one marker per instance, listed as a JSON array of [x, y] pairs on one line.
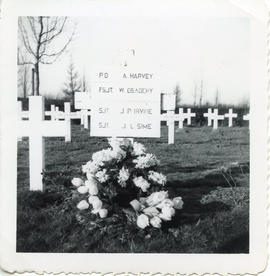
[[134, 133]]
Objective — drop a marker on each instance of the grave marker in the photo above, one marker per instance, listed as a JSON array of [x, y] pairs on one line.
[[190, 115], [83, 102], [209, 116], [216, 118], [170, 126], [36, 128], [53, 113], [181, 117], [246, 118], [230, 116], [126, 103]]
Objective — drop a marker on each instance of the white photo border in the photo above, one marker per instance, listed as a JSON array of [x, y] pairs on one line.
[[251, 263]]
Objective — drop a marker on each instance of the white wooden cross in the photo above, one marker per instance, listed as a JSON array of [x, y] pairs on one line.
[[171, 127], [170, 117], [209, 116], [84, 118], [189, 115], [246, 118], [19, 116], [37, 128], [230, 116], [53, 113], [216, 118], [181, 117]]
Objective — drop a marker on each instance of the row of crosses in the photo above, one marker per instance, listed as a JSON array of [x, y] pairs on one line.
[[212, 117], [37, 128]]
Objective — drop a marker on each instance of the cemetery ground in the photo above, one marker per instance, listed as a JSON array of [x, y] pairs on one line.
[[209, 169]]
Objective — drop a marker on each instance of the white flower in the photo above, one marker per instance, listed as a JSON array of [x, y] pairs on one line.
[[92, 187], [138, 149], [114, 143], [118, 154], [142, 221], [145, 161], [136, 205], [102, 176], [140, 182], [151, 211], [91, 177], [102, 156], [103, 213], [90, 167], [167, 213], [156, 198], [166, 202], [97, 204], [155, 222], [178, 203], [157, 177], [82, 189], [82, 205], [76, 181], [123, 176], [92, 198]]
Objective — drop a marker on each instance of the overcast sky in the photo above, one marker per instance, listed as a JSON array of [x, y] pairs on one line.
[[186, 50]]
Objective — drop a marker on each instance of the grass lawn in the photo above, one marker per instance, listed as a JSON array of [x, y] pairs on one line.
[[209, 169]]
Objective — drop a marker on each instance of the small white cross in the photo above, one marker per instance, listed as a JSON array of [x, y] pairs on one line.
[[230, 116], [216, 118], [246, 117], [53, 113], [170, 118], [84, 117], [181, 116], [170, 126], [37, 128], [189, 115], [209, 116]]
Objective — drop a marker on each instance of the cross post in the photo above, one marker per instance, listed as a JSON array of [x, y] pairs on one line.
[[67, 115], [230, 116], [247, 118], [209, 116], [36, 128], [181, 117], [170, 126], [53, 115], [189, 115], [216, 118]]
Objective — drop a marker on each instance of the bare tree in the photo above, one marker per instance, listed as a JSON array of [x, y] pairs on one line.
[[217, 98], [84, 83], [42, 38], [195, 94], [23, 76], [73, 83], [23, 79], [178, 92]]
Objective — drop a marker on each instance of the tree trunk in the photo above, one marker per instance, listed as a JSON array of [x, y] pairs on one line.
[[37, 78], [33, 81]]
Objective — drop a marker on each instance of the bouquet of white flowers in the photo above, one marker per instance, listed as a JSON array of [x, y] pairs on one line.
[[124, 178]]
